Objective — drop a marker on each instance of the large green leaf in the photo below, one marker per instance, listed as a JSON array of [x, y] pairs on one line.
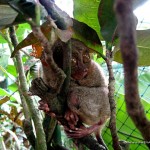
[[107, 19], [13, 12], [22, 31], [125, 125], [143, 44], [86, 11], [12, 70], [87, 35], [7, 15]]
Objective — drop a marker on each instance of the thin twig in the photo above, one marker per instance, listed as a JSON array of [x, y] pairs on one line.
[[111, 88]]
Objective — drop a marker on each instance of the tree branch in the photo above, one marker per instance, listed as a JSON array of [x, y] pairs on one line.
[[62, 19], [127, 28], [111, 88], [25, 108], [41, 142]]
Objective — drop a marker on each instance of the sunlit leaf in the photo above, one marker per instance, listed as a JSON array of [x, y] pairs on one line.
[[4, 112], [15, 116], [22, 31], [5, 93], [36, 50], [143, 45], [7, 73], [13, 87], [4, 100], [12, 70], [13, 112], [86, 11], [19, 122], [31, 39]]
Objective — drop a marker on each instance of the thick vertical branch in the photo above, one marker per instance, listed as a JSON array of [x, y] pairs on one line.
[[41, 142], [127, 28], [67, 55], [111, 88]]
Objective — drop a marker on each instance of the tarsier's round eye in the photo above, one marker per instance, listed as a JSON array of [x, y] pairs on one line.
[[73, 62], [86, 58]]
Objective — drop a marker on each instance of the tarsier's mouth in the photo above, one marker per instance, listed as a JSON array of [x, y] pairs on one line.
[[79, 75]]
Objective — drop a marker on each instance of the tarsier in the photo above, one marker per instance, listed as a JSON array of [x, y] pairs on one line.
[[88, 95]]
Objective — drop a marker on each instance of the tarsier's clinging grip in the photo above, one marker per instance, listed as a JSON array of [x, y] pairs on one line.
[[88, 95]]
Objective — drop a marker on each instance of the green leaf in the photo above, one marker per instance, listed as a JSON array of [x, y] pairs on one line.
[[22, 31], [107, 19], [5, 93], [87, 35], [143, 44], [7, 15], [86, 11], [4, 56], [12, 70], [7, 73], [13, 87], [125, 125]]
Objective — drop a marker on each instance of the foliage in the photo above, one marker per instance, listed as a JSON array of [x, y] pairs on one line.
[[126, 129], [143, 45], [108, 27], [85, 12]]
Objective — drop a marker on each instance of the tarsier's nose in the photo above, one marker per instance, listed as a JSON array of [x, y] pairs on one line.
[[85, 70]]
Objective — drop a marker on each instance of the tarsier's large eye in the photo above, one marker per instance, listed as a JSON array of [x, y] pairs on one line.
[[73, 62], [86, 58]]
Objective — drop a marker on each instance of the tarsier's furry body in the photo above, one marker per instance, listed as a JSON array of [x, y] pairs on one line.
[[88, 93]]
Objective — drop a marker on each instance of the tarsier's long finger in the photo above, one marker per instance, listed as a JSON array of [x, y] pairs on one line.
[[41, 102], [77, 134], [72, 118], [44, 107]]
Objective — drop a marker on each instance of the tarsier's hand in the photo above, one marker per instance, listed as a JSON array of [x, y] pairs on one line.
[[82, 131], [72, 119], [44, 106]]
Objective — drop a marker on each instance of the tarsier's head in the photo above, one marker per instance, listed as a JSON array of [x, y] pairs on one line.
[[80, 61]]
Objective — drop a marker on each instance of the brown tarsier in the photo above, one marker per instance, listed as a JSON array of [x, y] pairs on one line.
[[87, 101]]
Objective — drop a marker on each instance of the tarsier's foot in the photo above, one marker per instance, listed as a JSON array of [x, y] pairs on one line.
[[72, 119], [44, 106], [82, 131]]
